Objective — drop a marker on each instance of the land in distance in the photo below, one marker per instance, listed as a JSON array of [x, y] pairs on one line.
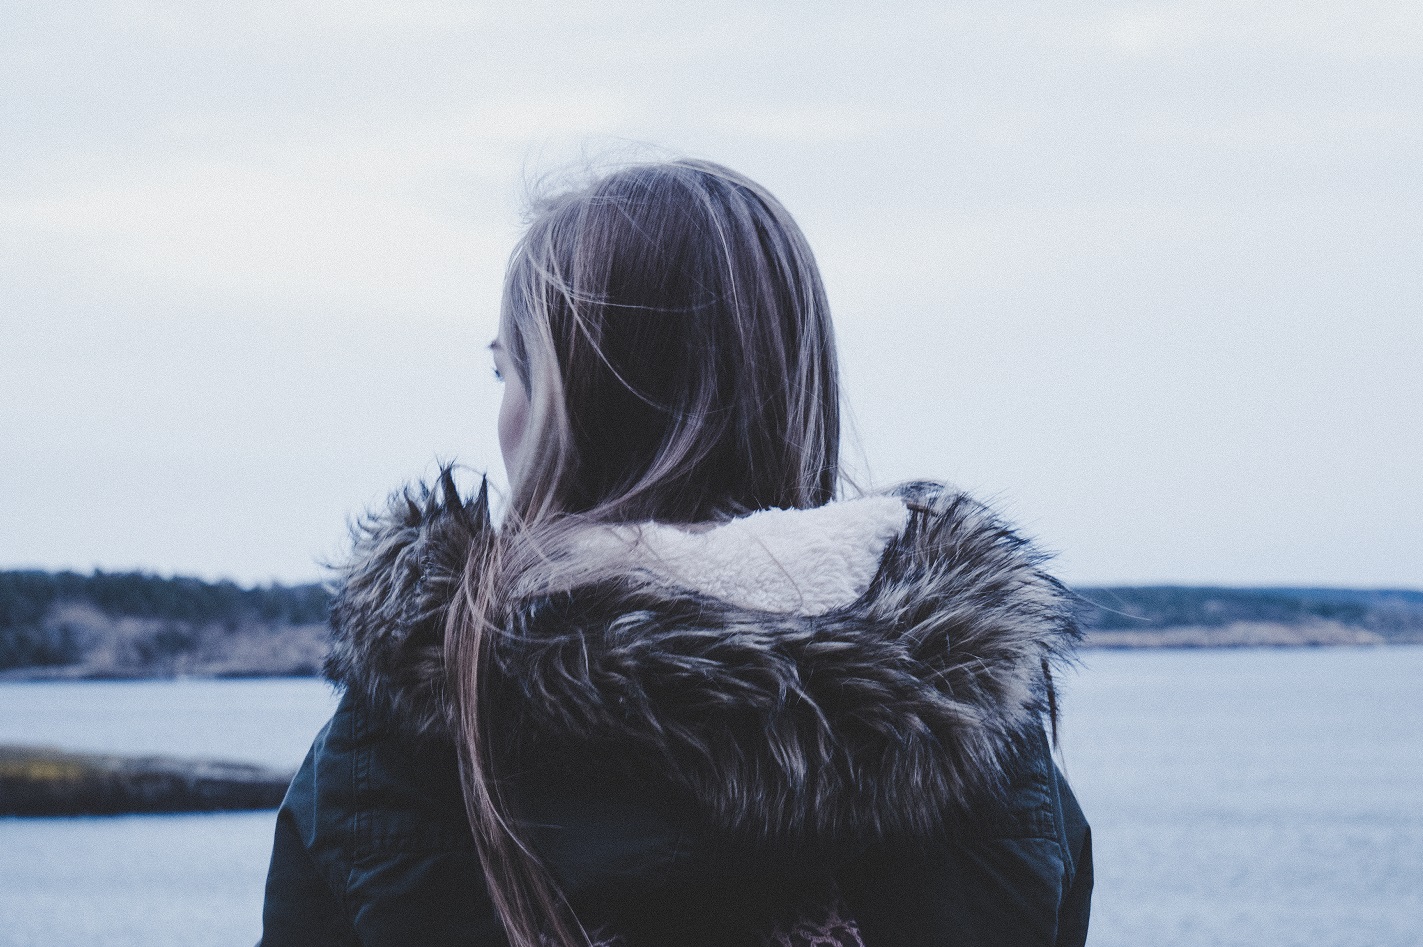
[[138, 625]]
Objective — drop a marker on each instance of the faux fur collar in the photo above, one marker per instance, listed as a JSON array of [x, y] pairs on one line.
[[864, 669]]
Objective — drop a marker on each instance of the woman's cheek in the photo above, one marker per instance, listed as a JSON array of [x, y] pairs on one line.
[[513, 420]]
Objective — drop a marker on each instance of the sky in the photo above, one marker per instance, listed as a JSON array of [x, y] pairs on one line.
[[1147, 276]]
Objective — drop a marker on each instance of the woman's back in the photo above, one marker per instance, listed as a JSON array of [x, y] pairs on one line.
[[678, 695]]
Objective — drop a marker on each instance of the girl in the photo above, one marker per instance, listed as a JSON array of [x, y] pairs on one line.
[[682, 694]]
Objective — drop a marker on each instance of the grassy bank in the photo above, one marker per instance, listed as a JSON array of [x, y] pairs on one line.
[[39, 781]]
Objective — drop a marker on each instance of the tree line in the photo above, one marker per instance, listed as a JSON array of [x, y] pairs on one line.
[[179, 614], [34, 634]]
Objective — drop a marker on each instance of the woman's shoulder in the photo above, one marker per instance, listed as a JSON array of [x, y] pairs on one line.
[[372, 837], [367, 787]]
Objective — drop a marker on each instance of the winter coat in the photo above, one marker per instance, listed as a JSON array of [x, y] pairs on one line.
[[801, 726]]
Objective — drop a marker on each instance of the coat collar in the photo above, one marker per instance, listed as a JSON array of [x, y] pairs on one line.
[[882, 682]]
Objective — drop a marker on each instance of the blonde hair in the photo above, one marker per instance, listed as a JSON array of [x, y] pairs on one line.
[[670, 327]]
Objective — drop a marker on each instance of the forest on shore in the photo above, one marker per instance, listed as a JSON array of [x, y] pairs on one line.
[[135, 624]]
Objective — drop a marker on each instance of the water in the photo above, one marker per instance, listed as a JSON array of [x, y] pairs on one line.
[[155, 881], [1252, 797], [133, 881], [254, 721], [1237, 798]]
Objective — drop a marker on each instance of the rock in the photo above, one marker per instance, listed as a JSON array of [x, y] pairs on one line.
[[42, 781]]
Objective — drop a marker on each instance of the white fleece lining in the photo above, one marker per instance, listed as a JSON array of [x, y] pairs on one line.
[[802, 562]]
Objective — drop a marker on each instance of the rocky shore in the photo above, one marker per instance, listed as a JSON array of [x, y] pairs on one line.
[[40, 781]]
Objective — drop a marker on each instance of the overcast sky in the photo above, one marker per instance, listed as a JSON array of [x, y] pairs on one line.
[[1149, 276]]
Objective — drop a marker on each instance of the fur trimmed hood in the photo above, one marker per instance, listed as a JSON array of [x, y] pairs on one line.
[[863, 669]]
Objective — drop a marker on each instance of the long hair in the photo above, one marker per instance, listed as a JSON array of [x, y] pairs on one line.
[[671, 331]]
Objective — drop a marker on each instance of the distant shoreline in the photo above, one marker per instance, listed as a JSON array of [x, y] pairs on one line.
[[138, 626], [101, 675], [1245, 635]]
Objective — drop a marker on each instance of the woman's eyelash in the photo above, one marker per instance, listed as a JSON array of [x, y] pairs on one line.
[[498, 375]]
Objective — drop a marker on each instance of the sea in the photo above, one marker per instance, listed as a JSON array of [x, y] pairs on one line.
[[1237, 797]]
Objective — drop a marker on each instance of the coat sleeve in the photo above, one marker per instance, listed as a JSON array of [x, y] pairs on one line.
[[1077, 902], [372, 847], [300, 910], [302, 905]]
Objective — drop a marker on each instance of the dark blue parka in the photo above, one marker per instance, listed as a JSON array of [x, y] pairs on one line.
[[701, 754]]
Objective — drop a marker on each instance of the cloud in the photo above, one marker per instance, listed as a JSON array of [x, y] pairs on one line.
[[1368, 29], [1091, 256]]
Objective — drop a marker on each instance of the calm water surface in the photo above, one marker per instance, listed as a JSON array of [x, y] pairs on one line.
[[1252, 797], [255, 721], [1237, 798]]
